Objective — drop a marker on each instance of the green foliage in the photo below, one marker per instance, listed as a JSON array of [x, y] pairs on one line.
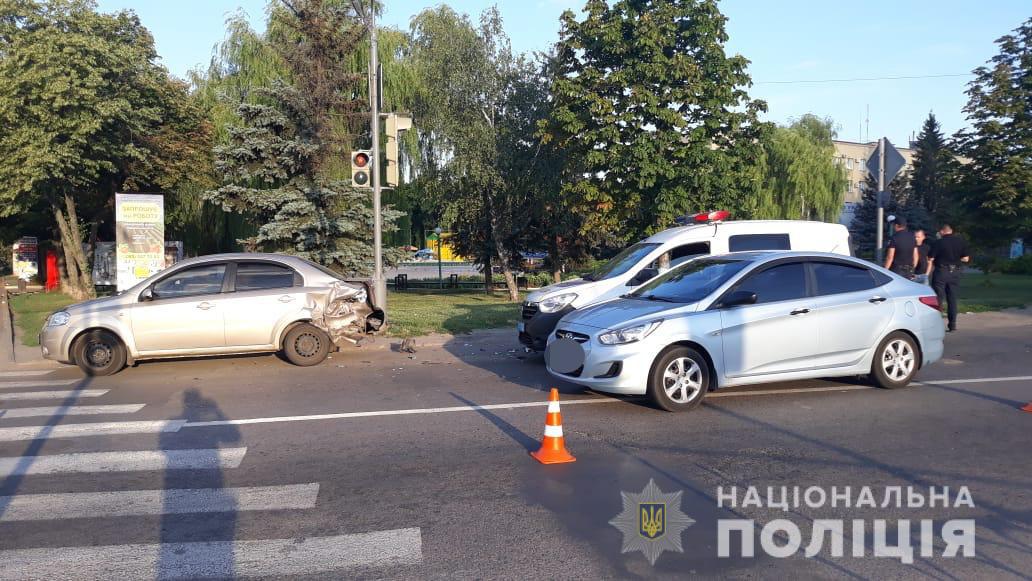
[[998, 179], [655, 114], [278, 163], [801, 179], [933, 178], [865, 221], [477, 116]]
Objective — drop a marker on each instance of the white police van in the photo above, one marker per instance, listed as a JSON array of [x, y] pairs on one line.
[[707, 233]]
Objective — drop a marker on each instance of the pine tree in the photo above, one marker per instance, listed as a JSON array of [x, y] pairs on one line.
[[934, 172], [863, 229], [280, 165], [998, 180]]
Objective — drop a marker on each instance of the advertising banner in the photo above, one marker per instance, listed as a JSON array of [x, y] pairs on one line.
[[104, 272], [26, 258], [139, 237]]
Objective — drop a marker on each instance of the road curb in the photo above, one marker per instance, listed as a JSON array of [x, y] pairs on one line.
[[6, 328]]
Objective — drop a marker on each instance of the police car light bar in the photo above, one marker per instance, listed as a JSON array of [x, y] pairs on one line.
[[715, 216]]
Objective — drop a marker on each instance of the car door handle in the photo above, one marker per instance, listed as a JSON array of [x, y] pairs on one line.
[[205, 306], [800, 312], [877, 300], [286, 299]]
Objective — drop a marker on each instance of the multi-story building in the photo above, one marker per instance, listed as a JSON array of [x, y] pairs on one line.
[[853, 156]]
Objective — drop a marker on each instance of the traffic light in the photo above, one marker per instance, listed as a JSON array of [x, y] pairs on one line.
[[395, 124], [361, 169]]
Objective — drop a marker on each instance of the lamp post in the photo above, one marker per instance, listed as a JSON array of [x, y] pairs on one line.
[[440, 275]]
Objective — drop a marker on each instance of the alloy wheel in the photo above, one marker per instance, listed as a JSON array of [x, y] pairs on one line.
[[898, 360], [682, 380]]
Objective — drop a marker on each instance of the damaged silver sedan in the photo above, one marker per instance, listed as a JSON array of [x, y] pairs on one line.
[[217, 305]]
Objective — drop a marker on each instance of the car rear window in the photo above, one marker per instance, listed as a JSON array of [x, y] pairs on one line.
[[262, 275], [833, 278], [746, 242]]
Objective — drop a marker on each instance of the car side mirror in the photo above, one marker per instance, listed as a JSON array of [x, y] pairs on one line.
[[739, 298], [643, 276], [146, 294]]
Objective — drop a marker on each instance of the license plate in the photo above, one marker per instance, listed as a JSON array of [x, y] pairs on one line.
[[521, 327]]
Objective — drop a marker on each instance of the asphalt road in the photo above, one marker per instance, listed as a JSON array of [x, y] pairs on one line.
[[374, 465]]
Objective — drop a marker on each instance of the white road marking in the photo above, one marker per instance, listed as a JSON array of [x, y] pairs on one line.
[[26, 373], [461, 408], [53, 394], [221, 559], [37, 383], [124, 461], [94, 429], [978, 380], [24, 507], [74, 410], [506, 406]]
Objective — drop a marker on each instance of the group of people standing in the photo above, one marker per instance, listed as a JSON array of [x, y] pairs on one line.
[[912, 255]]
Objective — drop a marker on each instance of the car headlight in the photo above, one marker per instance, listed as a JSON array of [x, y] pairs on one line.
[[556, 303], [629, 334], [57, 319]]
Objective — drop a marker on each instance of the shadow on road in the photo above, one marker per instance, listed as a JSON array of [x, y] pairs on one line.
[[217, 528]]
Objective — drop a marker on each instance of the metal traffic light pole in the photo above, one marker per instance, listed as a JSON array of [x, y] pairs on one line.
[[879, 238], [379, 282]]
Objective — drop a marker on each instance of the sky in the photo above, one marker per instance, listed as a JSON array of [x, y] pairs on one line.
[[790, 43]]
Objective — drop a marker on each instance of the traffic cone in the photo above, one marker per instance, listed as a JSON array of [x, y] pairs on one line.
[[553, 450], [1027, 408]]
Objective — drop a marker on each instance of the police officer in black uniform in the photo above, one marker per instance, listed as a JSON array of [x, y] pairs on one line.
[[902, 255], [947, 256]]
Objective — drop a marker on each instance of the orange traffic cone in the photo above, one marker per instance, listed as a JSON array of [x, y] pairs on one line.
[[1027, 408], [553, 450]]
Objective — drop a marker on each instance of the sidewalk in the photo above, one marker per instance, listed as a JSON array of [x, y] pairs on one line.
[[12, 351]]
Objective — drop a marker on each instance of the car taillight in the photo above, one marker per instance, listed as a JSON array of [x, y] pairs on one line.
[[931, 302]]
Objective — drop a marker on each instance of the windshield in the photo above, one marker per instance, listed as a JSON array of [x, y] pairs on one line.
[[622, 262], [690, 282]]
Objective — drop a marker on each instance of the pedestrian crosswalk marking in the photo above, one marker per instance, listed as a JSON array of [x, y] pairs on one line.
[[218, 559], [26, 373], [37, 383], [74, 410], [92, 429], [61, 394], [123, 461], [34, 507]]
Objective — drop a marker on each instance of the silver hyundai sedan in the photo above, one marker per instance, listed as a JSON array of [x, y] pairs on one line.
[[746, 318], [215, 305]]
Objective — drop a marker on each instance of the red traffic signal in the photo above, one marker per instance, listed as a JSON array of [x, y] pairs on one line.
[[360, 159], [361, 169]]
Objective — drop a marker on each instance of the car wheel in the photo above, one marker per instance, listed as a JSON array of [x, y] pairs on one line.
[[895, 362], [306, 345], [99, 353], [679, 379]]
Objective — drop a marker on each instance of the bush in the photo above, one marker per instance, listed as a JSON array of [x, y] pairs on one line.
[[1020, 265]]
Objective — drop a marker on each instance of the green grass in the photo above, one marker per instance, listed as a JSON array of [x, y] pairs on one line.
[[30, 310], [415, 313], [999, 291]]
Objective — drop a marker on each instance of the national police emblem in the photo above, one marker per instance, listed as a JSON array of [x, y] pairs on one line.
[[651, 522]]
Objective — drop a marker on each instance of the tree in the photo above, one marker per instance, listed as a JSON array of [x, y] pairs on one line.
[[478, 115], [801, 179], [281, 165], [863, 229], [998, 180], [654, 114], [934, 172], [79, 93]]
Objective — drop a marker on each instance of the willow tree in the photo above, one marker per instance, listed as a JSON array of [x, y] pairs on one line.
[[478, 115], [801, 179]]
